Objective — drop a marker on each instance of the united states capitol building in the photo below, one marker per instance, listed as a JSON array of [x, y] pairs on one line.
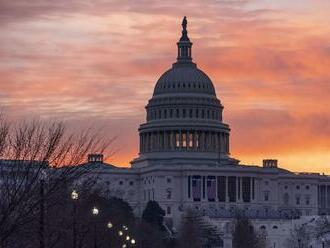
[[184, 162]]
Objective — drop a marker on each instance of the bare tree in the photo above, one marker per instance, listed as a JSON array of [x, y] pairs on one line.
[[300, 236], [36, 160]]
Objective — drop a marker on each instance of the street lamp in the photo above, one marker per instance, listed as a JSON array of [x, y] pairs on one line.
[[95, 212], [128, 238], [125, 227], [133, 241], [120, 233], [74, 197], [109, 225]]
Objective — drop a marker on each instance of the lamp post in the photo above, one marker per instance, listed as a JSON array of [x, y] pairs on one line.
[[323, 242], [74, 197], [95, 212]]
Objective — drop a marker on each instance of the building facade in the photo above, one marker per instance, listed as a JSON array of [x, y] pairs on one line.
[[184, 159]]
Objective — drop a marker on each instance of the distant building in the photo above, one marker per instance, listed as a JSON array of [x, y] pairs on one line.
[[184, 162]]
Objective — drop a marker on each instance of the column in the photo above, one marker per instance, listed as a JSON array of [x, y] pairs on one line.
[[251, 189], [241, 188], [142, 142], [237, 188], [326, 196], [149, 141], [166, 139], [227, 185], [216, 189], [202, 141]]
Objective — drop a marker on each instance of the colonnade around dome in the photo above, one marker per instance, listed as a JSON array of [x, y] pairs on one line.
[[184, 140]]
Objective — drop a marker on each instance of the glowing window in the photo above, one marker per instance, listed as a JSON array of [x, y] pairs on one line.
[[177, 140], [197, 140], [190, 140], [184, 140]]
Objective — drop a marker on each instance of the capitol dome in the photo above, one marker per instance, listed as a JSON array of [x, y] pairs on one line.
[[184, 116], [184, 78]]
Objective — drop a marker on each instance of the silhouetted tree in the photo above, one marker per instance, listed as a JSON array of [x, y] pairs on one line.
[[190, 232], [153, 214], [245, 236], [37, 159], [196, 231]]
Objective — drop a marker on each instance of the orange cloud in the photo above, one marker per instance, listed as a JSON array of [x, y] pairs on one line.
[[100, 61]]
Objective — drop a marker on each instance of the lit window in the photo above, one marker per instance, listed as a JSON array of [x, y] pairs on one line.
[[177, 140], [184, 140], [190, 140]]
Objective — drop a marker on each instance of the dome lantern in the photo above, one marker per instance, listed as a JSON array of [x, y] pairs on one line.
[[184, 45]]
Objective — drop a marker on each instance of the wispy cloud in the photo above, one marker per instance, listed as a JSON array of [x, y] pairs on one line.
[[99, 60]]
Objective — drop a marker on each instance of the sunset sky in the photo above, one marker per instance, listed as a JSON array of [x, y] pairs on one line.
[[95, 62]]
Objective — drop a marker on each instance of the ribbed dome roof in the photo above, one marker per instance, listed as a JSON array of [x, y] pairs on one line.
[[184, 78]]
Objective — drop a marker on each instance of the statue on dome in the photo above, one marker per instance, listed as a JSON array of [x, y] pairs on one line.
[[184, 23]]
